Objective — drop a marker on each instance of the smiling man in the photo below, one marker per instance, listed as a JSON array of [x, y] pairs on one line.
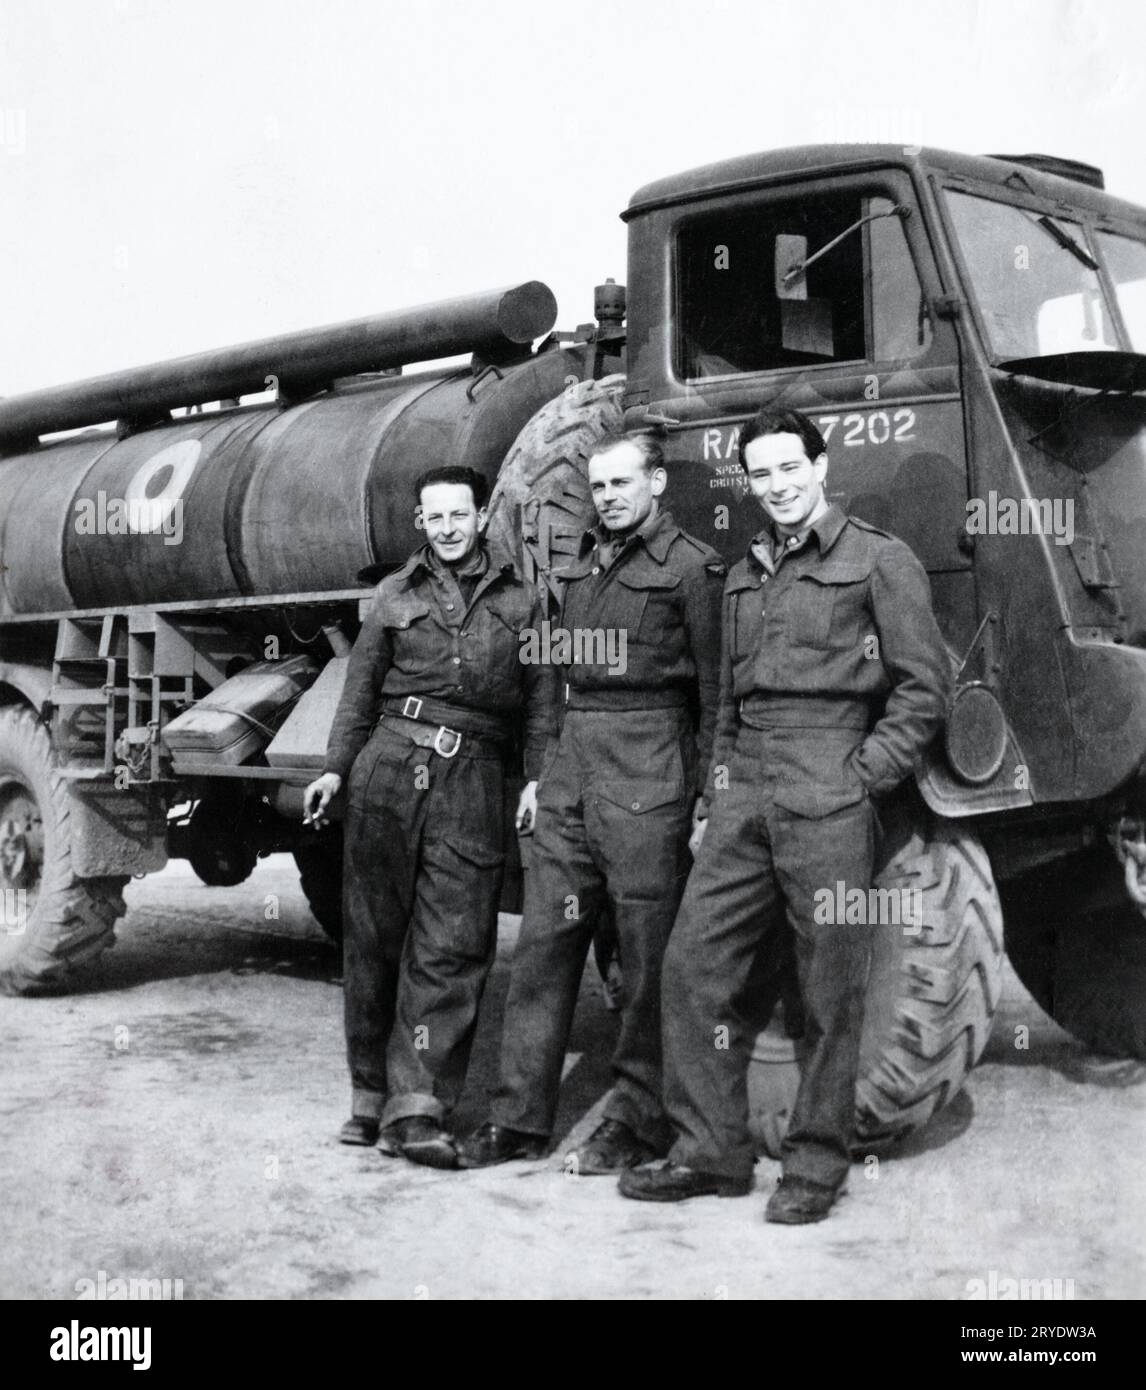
[[614, 809], [423, 732], [833, 681]]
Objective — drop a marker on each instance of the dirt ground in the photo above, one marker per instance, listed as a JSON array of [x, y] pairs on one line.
[[176, 1120]]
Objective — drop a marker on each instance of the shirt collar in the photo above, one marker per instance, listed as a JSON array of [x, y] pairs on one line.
[[655, 532], [425, 560], [475, 568], [826, 529]]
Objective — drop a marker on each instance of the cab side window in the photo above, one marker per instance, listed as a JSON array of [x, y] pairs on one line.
[[744, 304]]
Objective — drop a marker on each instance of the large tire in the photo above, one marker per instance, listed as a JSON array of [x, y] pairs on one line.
[[1079, 946], [931, 995], [545, 472], [320, 874], [64, 921]]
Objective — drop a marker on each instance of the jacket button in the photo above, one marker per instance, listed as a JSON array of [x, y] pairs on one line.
[[597, 570], [449, 607], [457, 661], [636, 805]]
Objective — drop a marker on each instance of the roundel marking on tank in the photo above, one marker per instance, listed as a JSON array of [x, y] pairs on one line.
[[155, 492]]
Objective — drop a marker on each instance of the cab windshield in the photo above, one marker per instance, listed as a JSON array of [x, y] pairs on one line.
[[1126, 263], [1037, 283]]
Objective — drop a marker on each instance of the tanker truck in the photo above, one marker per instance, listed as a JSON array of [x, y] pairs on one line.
[[182, 571]]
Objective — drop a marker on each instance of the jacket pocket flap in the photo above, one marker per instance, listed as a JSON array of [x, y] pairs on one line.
[[639, 795], [841, 572], [737, 584], [816, 802], [648, 579], [515, 620], [403, 614]]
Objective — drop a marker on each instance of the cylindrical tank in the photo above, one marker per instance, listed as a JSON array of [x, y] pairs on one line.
[[257, 500]]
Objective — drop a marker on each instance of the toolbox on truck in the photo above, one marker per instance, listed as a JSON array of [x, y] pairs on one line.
[[239, 718]]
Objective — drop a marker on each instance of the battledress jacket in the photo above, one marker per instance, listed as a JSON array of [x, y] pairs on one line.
[[847, 616]]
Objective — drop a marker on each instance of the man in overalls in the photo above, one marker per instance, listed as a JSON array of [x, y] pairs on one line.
[[423, 731]]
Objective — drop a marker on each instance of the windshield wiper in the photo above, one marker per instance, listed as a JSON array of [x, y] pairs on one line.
[[1066, 241]]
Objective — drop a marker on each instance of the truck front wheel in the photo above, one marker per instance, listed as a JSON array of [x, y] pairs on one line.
[[931, 994], [51, 922]]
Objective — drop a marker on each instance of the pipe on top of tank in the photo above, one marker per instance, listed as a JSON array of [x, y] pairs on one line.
[[492, 323]]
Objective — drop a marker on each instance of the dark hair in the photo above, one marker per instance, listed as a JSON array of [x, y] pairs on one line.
[[455, 473], [650, 442], [769, 421]]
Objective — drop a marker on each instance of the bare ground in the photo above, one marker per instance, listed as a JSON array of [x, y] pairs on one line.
[[177, 1118]]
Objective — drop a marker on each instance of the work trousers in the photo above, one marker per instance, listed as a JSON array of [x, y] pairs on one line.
[[793, 819], [613, 820], [424, 860]]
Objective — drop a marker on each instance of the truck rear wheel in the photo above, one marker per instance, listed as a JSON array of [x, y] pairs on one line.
[[542, 490], [51, 922], [931, 994], [1080, 948]]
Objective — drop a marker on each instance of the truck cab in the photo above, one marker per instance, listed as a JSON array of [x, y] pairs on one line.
[[969, 333]]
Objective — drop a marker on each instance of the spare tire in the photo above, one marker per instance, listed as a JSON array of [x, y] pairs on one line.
[[541, 500]]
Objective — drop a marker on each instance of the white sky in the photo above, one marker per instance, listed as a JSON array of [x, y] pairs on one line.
[[181, 174]]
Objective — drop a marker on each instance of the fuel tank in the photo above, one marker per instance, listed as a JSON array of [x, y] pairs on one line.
[[257, 500]]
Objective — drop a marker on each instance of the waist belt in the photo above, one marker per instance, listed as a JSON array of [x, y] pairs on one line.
[[440, 726], [665, 698], [808, 712]]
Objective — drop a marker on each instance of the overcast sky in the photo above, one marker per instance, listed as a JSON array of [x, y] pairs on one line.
[[181, 174]]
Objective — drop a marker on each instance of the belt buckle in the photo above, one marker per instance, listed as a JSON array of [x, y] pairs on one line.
[[453, 733], [416, 713]]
